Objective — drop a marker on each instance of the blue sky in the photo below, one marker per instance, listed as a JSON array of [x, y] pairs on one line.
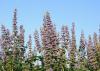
[[85, 14]]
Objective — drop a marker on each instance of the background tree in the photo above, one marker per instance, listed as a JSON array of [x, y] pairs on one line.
[[82, 53], [91, 56], [73, 48]]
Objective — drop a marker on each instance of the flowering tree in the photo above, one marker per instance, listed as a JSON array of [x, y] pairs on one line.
[[73, 48], [50, 52]]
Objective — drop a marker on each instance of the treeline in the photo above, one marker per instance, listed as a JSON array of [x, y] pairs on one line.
[[52, 52]]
